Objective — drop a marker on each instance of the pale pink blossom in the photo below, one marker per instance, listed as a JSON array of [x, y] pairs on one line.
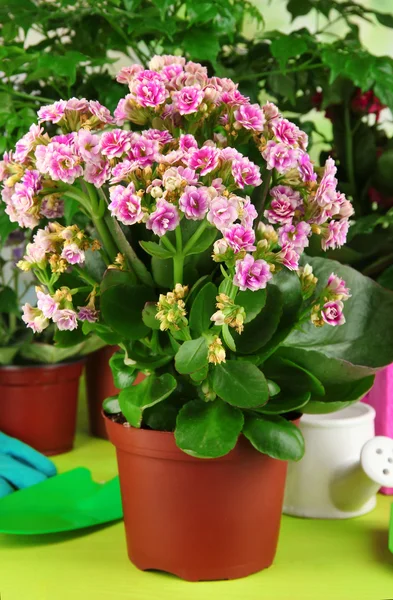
[[247, 212], [240, 238], [73, 254], [246, 172], [100, 112], [165, 218], [187, 142], [223, 212], [338, 287], [279, 156], [46, 304], [125, 204], [88, 145], [65, 319], [115, 143], [97, 173], [251, 274], [194, 202], [288, 133], [34, 318], [288, 257], [283, 205], [86, 313], [127, 74], [250, 116], [296, 235], [188, 100], [62, 163], [306, 168], [52, 112], [335, 234], [205, 158], [149, 89], [332, 313]]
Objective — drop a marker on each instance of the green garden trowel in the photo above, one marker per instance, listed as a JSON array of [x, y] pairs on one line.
[[65, 502]]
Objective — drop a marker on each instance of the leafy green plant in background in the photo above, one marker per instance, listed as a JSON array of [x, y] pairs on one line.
[[75, 44]]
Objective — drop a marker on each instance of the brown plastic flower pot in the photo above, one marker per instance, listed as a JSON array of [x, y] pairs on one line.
[[198, 519], [38, 404], [99, 385]]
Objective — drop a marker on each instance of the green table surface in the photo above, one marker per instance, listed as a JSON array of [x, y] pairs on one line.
[[316, 560]]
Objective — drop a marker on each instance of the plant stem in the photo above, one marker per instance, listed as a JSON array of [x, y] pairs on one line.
[[103, 232], [13, 92], [264, 191], [349, 150], [85, 276], [279, 72], [195, 237], [178, 259], [168, 244], [134, 262]]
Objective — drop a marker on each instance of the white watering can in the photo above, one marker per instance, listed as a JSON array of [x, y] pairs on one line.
[[343, 467]]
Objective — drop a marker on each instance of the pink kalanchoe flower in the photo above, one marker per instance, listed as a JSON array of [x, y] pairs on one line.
[[65, 319], [271, 112], [240, 238], [306, 168], [188, 100], [251, 274], [247, 212], [162, 60], [171, 72], [46, 304], [187, 142], [115, 143], [27, 143], [67, 139], [326, 195], [250, 116], [143, 151], [288, 257], [123, 170], [188, 175], [337, 286], [32, 180], [280, 157], [125, 205], [164, 218], [230, 154], [206, 159], [73, 254], [34, 318], [194, 202], [100, 112], [127, 74], [171, 158], [62, 163], [22, 198], [234, 98], [297, 235], [80, 105], [149, 89], [52, 207], [335, 234], [88, 145], [289, 134], [162, 137], [97, 173], [283, 206], [223, 212], [246, 172], [85, 313], [332, 313], [52, 112]]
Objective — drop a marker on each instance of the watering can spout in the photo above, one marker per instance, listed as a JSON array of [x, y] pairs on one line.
[[356, 483]]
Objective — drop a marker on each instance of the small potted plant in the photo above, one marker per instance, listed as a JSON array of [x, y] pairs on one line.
[[39, 381], [203, 204]]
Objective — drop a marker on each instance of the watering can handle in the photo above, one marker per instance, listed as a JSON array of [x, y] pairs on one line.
[[376, 459]]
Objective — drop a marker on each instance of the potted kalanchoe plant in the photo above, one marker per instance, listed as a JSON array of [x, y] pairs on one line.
[[39, 381], [204, 292]]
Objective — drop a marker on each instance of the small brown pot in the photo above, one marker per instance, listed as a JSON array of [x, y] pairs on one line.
[[38, 405], [198, 519], [99, 385]]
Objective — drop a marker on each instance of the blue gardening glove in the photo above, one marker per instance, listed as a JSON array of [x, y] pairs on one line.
[[21, 466]]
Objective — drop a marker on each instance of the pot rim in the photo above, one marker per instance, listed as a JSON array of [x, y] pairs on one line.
[[361, 413], [49, 366]]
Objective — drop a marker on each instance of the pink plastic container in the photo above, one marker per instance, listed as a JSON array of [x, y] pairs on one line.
[[380, 397]]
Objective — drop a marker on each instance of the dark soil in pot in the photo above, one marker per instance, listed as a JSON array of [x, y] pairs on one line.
[[198, 519], [38, 404]]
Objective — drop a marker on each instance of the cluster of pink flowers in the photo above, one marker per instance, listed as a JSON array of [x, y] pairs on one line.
[[188, 168]]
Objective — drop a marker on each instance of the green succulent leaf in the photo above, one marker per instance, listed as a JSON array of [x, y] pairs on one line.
[[123, 375], [122, 306], [285, 402], [240, 383], [149, 316], [191, 356], [203, 307], [208, 429], [274, 436], [136, 398], [156, 250], [252, 302]]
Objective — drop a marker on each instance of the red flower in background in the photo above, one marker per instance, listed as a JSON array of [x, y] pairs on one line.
[[367, 103]]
